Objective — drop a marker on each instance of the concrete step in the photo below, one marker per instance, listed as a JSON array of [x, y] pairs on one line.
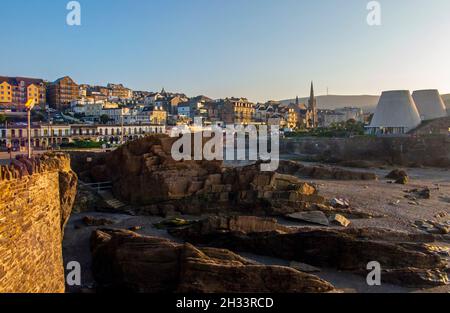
[[108, 197]]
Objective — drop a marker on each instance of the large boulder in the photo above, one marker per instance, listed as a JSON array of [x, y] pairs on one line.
[[398, 176], [401, 253], [123, 260]]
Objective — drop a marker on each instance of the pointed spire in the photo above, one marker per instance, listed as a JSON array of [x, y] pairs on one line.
[[296, 101], [312, 91]]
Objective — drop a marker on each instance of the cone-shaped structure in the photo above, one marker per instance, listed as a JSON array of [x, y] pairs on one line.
[[430, 104], [396, 113]]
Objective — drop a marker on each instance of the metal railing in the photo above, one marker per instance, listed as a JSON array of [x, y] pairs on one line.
[[98, 187]]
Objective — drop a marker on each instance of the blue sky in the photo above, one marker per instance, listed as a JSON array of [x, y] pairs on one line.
[[260, 49]]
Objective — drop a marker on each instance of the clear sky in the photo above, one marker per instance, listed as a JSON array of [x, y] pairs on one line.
[[260, 49]]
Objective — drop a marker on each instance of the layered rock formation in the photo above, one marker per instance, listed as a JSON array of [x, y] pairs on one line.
[[143, 173], [124, 260], [408, 259], [36, 198], [322, 172]]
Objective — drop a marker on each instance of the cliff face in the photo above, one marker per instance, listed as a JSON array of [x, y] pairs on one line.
[[36, 198]]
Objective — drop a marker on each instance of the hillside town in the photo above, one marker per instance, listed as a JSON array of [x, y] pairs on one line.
[[66, 111]]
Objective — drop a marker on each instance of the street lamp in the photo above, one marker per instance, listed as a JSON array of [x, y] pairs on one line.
[[121, 126], [29, 106]]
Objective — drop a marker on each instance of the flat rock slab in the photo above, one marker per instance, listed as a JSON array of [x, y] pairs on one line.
[[303, 267], [314, 217]]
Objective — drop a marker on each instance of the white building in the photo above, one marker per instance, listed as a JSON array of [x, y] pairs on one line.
[[119, 115], [336, 116], [395, 114], [430, 104]]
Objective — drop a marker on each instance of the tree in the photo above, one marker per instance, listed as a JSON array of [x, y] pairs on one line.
[[2, 118], [104, 119]]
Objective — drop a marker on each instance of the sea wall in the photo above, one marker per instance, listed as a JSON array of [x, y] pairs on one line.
[[403, 151], [36, 198]]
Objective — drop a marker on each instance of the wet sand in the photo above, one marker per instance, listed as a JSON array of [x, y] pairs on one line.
[[381, 197]]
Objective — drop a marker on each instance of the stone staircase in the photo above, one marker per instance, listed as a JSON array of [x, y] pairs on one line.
[[108, 197], [103, 189]]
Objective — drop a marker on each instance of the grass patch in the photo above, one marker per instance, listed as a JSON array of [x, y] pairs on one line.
[[82, 144]]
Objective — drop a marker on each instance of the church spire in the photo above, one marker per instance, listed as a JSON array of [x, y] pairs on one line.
[[312, 107], [312, 99]]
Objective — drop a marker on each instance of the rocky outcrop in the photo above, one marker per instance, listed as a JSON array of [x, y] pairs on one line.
[[200, 230], [144, 173], [124, 260], [349, 250], [322, 172]]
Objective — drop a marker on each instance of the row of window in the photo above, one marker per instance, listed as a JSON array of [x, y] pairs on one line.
[[21, 132], [60, 132], [114, 131]]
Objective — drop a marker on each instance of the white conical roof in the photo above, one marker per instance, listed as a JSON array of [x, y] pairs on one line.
[[430, 104], [396, 109]]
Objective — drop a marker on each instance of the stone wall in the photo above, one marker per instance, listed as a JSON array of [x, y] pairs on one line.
[[440, 126], [36, 197], [403, 151]]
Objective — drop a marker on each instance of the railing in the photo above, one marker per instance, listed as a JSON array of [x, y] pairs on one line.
[[100, 186]]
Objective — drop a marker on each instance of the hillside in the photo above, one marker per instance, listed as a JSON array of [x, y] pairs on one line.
[[366, 102]]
